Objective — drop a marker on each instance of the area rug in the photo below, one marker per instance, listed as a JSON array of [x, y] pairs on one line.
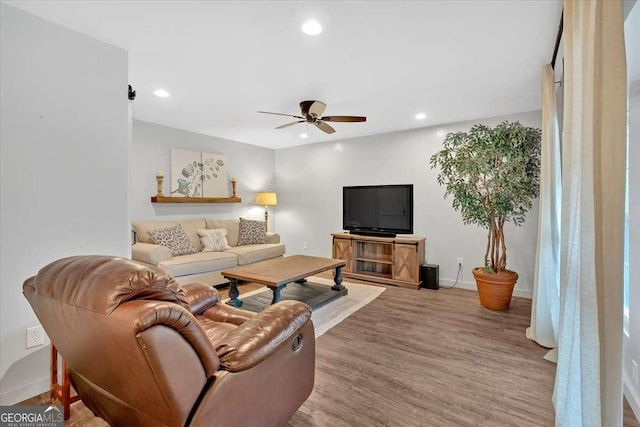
[[331, 314]]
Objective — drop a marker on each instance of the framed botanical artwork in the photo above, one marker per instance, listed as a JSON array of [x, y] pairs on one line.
[[197, 174]]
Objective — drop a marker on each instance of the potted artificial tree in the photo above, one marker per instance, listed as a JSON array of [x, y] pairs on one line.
[[493, 175]]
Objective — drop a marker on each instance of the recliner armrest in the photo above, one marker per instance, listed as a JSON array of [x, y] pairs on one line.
[[150, 253], [144, 314], [226, 314], [257, 338], [200, 296]]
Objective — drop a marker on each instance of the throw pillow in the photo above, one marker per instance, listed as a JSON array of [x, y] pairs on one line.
[[231, 225], [173, 238], [214, 240], [252, 232]]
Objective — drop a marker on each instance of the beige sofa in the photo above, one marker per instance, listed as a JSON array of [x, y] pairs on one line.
[[202, 266]]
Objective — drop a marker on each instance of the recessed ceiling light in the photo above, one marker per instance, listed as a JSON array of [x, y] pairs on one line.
[[312, 28], [420, 116], [304, 135], [161, 93]]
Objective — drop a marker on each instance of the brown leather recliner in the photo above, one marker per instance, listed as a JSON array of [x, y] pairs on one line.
[[143, 350]]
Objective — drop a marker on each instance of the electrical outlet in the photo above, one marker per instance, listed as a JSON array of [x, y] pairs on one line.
[[460, 262], [305, 245], [634, 372], [35, 336]]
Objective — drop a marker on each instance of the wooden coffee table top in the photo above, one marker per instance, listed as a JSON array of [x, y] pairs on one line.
[[280, 271]]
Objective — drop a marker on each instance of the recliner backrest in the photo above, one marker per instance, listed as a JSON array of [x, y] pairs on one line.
[[101, 283], [127, 335]]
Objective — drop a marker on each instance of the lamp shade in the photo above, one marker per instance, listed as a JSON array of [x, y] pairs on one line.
[[267, 199]]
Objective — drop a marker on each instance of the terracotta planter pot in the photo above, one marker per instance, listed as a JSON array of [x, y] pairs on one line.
[[495, 290]]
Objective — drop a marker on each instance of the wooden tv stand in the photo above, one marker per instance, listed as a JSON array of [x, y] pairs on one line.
[[388, 260]]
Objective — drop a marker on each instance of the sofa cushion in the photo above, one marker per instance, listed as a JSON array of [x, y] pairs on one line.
[[201, 262], [253, 253], [231, 225], [214, 240], [252, 232], [273, 238], [150, 253], [190, 227], [173, 238]]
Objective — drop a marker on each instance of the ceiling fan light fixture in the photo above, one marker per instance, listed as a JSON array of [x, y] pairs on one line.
[[312, 28], [161, 93], [312, 113], [420, 116]]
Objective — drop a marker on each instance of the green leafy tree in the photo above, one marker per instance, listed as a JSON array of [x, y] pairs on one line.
[[493, 175]]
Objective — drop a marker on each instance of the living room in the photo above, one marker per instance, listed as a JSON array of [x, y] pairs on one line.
[[78, 192]]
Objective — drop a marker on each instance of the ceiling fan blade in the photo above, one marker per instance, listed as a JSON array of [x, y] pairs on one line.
[[324, 127], [290, 124], [344, 119], [281, 114], [317, 108]]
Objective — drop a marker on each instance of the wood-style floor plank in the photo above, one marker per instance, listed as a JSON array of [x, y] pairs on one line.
[[423, 358], [431, 358]]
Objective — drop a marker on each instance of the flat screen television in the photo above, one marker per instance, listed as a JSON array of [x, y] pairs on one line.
[[378, 210]]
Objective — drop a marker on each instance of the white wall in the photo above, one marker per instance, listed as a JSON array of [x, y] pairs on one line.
[[251, 165], [309, 180], [632, 341], [631, 338], [63, 178]]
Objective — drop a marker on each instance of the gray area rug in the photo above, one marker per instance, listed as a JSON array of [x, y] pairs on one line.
[[329, 315], [334, 312]]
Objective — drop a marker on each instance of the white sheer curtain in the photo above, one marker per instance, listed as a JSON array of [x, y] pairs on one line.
[[588, 388], [545, 307]]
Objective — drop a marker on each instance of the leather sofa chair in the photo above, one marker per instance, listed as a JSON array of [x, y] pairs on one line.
[[144, 351]]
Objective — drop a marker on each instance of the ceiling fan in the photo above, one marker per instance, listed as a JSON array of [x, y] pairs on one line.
[[312, 113]]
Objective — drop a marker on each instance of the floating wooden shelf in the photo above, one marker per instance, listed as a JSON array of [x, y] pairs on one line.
[[164, 199]]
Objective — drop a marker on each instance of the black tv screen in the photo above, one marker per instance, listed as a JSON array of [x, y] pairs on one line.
[[378, 209]]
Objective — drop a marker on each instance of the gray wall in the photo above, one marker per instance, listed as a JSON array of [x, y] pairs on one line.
[[64, 149], [251, 165], [309, 180]]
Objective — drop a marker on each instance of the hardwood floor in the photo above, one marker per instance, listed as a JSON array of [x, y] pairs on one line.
[[431, 358], [427, 358]]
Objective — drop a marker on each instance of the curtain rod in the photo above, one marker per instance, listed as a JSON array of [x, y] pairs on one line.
[[558, 38]]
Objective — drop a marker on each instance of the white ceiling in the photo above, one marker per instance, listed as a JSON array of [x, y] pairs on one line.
[[387, 60]]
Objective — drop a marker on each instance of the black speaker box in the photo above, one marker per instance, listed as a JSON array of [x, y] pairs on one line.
[[430, 276]]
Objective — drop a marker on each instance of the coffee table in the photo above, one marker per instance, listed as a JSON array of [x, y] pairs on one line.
[[278, 272]]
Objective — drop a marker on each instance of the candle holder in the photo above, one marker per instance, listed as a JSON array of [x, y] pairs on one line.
[[160, 179], [233, 187]]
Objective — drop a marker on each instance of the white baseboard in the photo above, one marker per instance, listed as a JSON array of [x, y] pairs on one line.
[[462, 285], [26, 392], [631, 395], [523, 293], [472, 287]]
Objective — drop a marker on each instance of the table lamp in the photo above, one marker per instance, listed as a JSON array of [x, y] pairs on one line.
[[266, 199]]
